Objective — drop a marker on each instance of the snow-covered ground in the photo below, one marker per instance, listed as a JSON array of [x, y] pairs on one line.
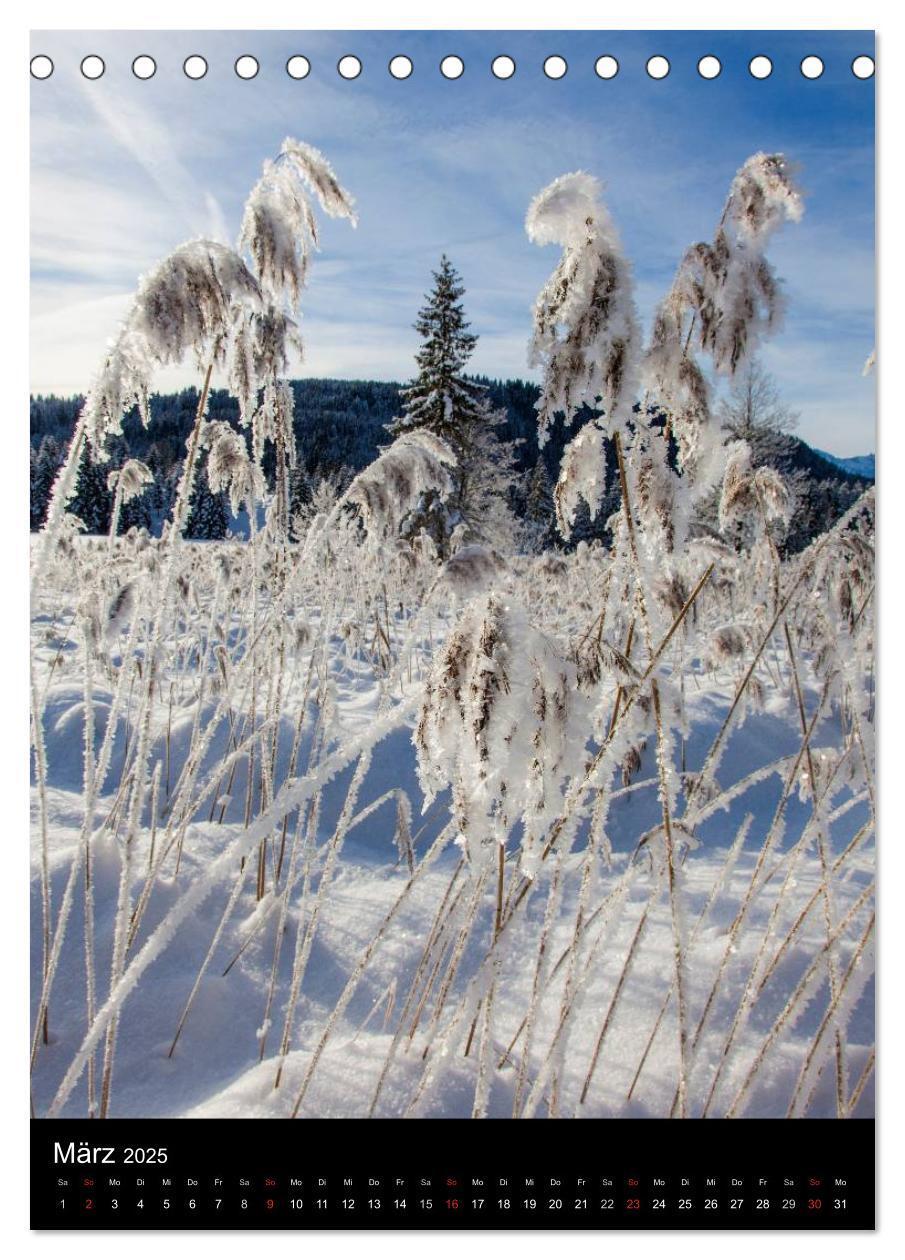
[[394, 963]]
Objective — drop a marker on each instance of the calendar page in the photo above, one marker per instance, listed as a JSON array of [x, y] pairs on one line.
[[452, 629]]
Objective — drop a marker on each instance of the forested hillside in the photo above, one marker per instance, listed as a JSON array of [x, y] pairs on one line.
[[340, 425]]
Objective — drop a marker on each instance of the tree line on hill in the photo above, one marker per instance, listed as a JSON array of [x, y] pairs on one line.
[[501, 485], [340, 425]]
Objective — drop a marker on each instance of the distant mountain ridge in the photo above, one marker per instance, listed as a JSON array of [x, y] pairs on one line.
[[857, 465]]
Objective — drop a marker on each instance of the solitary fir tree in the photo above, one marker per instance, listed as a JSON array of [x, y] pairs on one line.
[[441, 398]]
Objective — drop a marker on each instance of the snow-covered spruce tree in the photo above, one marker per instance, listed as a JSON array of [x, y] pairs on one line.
[[92, 500], [137, 514], [444, 401], [301, 494], [45, 464], [208, 518], [441, 398]]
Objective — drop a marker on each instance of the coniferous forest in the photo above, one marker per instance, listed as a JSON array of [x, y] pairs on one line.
[[340, 426]]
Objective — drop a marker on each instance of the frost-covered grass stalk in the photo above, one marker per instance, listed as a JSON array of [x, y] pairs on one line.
[[329, 824]]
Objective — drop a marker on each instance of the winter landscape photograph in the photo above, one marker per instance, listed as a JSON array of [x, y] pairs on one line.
[[452, 575]]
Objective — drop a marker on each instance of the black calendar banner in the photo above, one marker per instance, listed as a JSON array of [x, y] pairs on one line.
[[349, 1174]]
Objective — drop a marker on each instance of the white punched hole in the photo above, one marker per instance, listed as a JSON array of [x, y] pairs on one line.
[[401, 67], [452, 67], [247, 66], [606, 67], [503, 67], [555, 67], [298, 67], [41, 67], [92, 67], [657, 67], [760, 67], [863, 67], [194, 67], [349, 67], [709, 67], [812, 67], [144, 67]]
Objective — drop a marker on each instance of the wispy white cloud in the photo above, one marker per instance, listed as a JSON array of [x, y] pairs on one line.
[[99, 233], [69, 330]]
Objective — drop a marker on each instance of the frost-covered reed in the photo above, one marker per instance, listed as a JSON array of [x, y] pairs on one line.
[[617, 803]]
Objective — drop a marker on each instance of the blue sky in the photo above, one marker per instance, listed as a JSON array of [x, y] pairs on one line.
[[124, 170]]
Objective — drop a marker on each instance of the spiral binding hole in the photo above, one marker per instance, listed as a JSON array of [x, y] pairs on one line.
[[194, 66], [298, 67], [92, 67], [40, 67], [144, 67], [400, 67], [863, 67], [247, 67], [349, 66]]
